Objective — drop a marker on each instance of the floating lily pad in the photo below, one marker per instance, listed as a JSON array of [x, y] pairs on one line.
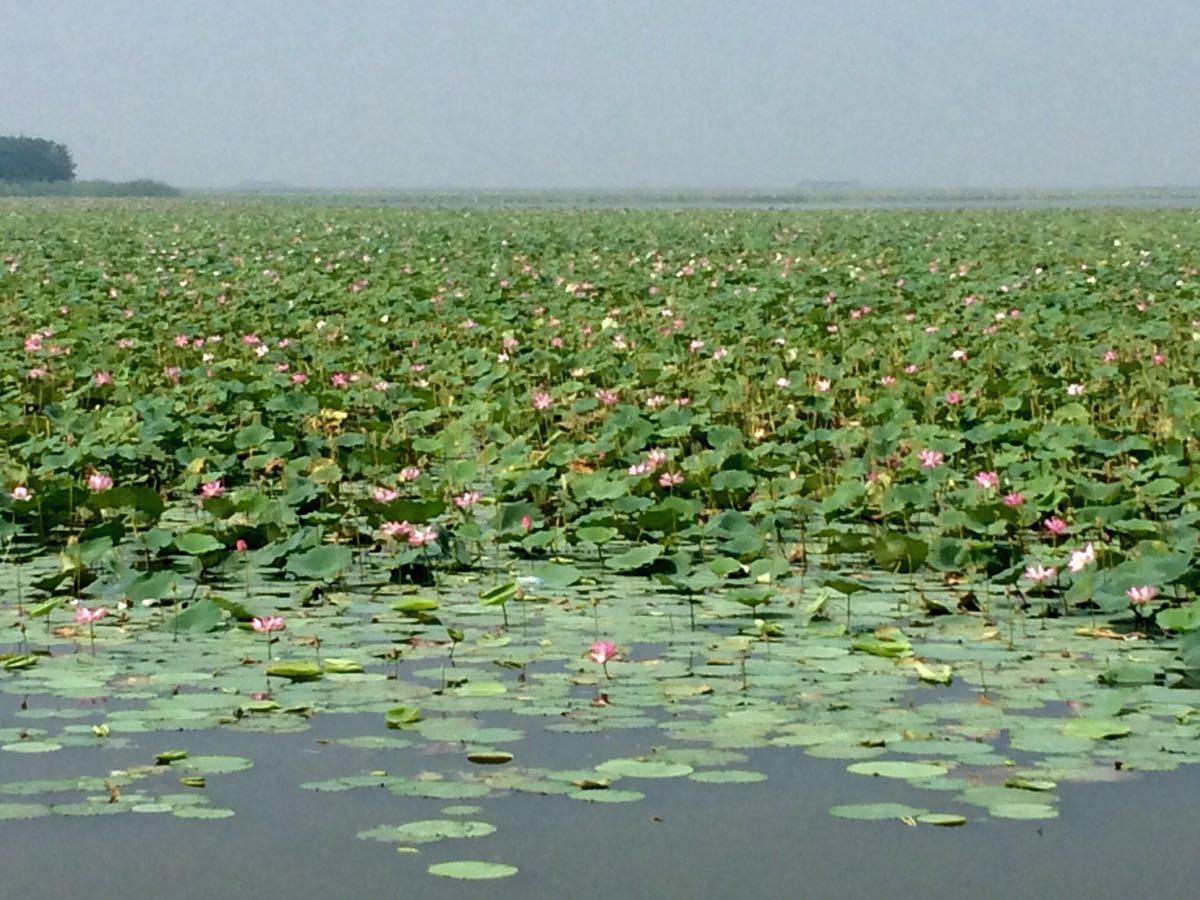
[[876, 811], [472, 870], [644, 768], [1023, 811], [202, 812], [607, 796], [891, 768], [942, 820], [489, 757], [23, 810], [727, 776], [427, 831], [32, 747], [215, 765]]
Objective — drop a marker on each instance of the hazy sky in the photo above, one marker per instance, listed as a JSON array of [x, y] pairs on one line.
[[585, 93]]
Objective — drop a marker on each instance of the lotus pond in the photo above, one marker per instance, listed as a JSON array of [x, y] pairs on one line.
[[450, 538]]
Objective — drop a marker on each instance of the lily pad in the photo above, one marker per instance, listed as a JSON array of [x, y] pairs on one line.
[[427, 831], [472, 870]]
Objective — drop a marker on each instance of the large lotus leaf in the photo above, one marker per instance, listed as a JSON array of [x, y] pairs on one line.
[[556, 576], [202, 615], [325, 562], [252, 436], [197, 543], [634, 558], [896, 551]]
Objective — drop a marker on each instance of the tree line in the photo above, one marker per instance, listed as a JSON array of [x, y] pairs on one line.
[[34, 159]]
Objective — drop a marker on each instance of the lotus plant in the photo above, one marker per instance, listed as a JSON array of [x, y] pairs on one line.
[[600, 652], [89, 616], [266, 626]]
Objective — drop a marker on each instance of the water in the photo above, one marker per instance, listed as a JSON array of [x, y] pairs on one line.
[[771, 839]]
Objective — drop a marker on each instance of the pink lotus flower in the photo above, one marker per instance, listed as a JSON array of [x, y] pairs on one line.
[[1081, 559], [1013, 499], [606, 397], [526, 523], [601, 652], [639, 469], [1143, 594], [542, 400], [670, 479], [1074, 389], [22, 493], [1054, 525], [823, 385], [422, 536], [953, 398], [102, 378], [172, 373], [240, 545], [394, 529], [887, 380], [1111, 356], [299, 378], [410, 473], [382, 494], [98, 481], [211, 489], [1039, 573], [782, 382], [987, 480], [86, 616], [655, 458], [467, 499], [267, 624], [930, 459], [339, 380], [89, 617]]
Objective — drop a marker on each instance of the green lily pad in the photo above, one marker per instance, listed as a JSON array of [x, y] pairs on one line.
[[23, 810], [942, 820], [295, 670], [1023, 811], [872, 812], [472, 870], [727, 776], [891, 768], [427, 831], [607, 796], [644, 768]]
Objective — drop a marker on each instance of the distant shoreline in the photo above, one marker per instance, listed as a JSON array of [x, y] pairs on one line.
[[831, 197], [141, 187]]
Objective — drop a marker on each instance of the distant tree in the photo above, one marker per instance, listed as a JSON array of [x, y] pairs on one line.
[[34, 159]]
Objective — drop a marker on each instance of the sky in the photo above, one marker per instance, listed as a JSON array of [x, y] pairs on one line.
[[610, 93]]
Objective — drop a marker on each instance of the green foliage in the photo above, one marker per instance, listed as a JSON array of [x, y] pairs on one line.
[[34, 159]]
